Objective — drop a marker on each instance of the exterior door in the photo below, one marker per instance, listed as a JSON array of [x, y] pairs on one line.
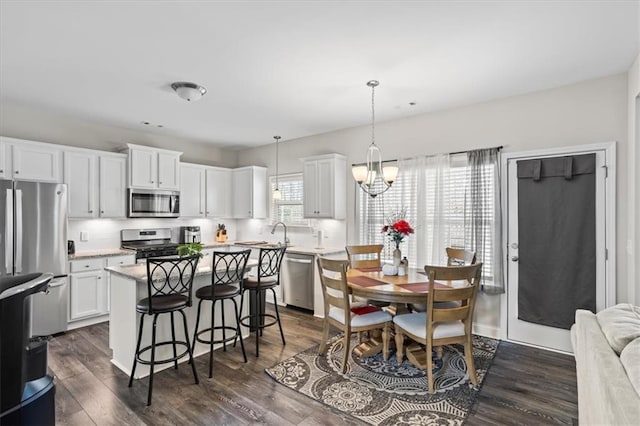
[[544, 260]]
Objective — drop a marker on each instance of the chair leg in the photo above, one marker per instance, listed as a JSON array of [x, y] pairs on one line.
[[386, 336], [439, 352], [468, 356], [195, 333], [325, 337], [213, 304], [241, 304], [257, 296], [135, 355], [430, 366], [399, 345], [275, 304], [345, 355], [186, 336], [153, 358], [224, 332], [173, 336], [238, 329]]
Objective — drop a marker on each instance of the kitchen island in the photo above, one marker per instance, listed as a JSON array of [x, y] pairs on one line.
[[128, 286]]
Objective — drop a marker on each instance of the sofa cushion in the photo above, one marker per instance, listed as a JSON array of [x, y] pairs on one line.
[[630, 359], [620, 325]]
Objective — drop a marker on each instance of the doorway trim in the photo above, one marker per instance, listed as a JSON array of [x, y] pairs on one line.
[[609, 149]]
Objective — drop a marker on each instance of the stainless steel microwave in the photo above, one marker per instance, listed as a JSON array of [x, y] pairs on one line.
[[153, 203]]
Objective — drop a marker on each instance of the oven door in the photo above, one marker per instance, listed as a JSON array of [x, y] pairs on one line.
[[151, 203]]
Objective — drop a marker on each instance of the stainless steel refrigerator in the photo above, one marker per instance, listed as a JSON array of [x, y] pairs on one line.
[[33, 238]]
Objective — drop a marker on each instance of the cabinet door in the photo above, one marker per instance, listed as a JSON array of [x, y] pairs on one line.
[[113, 187], [143, 166], [310, 186], [242, 193], [117, 261], [80, 177], [4, 167], [37, 162], [87, 295], [218, 193], [192, 190], [324, 188], [168, 171]]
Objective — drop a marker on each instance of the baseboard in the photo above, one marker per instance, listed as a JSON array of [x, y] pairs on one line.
[[487, 331], [87, 321]]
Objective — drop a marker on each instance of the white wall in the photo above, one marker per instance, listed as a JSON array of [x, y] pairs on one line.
[[588, 112], [20, 122], [633, 248]]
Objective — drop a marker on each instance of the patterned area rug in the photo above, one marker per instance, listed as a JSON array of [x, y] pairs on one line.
[[388, 393]]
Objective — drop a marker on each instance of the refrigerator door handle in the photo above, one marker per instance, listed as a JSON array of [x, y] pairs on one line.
[[8, 232], [19, 230]]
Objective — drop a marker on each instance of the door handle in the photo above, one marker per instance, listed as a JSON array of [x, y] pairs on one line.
[[8, 232], [18, 263], [299, 261], [514, 258]]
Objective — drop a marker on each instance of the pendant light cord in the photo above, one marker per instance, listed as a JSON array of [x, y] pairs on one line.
[[277, 138], [373, 114]]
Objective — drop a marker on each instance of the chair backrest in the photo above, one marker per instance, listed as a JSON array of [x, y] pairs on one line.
[[364, 256], [228, 267], [333, 278], [460, 257], [465, 294], [171, 275], [270, 260]]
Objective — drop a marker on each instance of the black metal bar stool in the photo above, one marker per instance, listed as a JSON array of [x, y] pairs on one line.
[[228, 269], [268, 278], [169, 289]]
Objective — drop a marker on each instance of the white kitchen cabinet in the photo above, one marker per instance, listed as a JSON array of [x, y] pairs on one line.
[[112, 186], [218, 197], [129, 259], [80, 175], [4, 161], [97, 184], [34, 161], [192, 190], [88, 295], [324, 180], [249, 186], [151, 168]]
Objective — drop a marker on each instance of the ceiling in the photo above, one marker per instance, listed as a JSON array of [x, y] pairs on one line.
[[297, 68]]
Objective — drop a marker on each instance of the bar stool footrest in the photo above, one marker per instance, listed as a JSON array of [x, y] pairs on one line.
[[243, 321], [234, 330], [166, 360]]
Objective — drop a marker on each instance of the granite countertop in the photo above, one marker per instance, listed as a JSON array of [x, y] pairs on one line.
[[290, 249], [88, 254], [314, 250], [139, 272]]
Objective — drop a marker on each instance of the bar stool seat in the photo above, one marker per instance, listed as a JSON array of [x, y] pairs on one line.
[[264, 282], [228, 272], [162, 304]]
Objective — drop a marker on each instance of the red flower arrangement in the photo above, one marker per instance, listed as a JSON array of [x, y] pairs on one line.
[[398, 227]]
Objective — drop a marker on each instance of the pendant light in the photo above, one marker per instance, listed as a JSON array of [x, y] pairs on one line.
[[375, 176], [276, 192]]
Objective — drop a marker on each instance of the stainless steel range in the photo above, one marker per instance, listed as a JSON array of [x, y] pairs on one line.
[[148, 242]]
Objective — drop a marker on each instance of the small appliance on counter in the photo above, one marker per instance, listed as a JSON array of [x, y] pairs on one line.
[[71, 247], [190, 234]]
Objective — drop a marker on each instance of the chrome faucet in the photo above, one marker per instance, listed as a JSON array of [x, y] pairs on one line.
[[273, 230]]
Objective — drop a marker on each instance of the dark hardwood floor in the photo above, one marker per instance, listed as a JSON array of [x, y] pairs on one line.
[[523, 386]]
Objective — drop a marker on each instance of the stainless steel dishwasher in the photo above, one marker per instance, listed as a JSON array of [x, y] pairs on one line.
[[298, 280]]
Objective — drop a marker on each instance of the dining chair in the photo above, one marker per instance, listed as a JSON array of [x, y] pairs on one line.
[[441, 324], [169, 290], [227, 272], [365, 256], [337, 309], [460, 257]]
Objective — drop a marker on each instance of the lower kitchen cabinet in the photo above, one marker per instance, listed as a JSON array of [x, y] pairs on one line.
[[89, 301]]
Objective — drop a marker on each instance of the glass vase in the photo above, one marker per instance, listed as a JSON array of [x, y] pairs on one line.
[[397, 256]]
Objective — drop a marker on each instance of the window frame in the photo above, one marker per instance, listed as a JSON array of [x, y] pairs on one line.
[[291, 177]]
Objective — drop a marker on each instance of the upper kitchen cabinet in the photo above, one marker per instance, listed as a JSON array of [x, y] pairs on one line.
[[34, 161], [151, 168], [249, 192], [4, 166], [218, 192], [192, 190], [324, 178], [97, 184]]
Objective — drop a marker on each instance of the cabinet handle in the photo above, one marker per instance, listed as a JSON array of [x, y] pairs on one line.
[[159, 183], [86, 266], [200, 212], [90, 211], [1, 171], [101, 211], [151, 181], [207, 212], [17, 171], [99, 278]]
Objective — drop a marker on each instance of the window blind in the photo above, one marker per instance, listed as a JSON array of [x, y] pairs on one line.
[[289, 209]]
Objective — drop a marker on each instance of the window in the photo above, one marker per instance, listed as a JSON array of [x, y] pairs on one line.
[[289, 208], [445, 206]]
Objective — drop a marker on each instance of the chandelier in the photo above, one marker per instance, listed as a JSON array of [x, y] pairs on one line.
[[375, 176]]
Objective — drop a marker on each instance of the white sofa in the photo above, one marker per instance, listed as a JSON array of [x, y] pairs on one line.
[[607, 351]]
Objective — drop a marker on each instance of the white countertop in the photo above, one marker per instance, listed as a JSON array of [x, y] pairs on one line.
[[139, 272], [87, 254]]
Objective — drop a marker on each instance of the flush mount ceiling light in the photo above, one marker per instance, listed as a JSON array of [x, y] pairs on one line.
[[188, 91], [375, 176], [276, 192]]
